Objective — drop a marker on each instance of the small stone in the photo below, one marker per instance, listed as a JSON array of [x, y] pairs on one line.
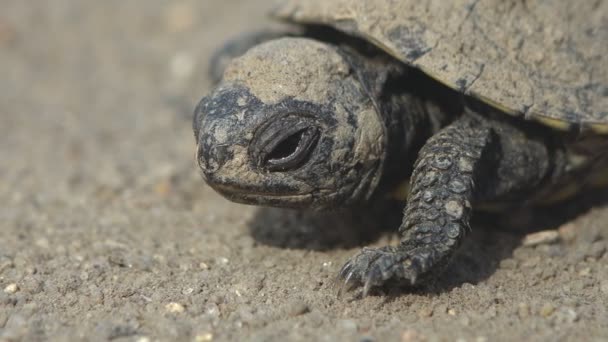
[[174, 307], [203, 266], [584, 272], [452, 312], [542, 237], [11, 288], [204, 337], [297, 308], [143, 339], [425, 312], [547, 309]]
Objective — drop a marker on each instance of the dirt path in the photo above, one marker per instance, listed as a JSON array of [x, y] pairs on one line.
[[107, 231]]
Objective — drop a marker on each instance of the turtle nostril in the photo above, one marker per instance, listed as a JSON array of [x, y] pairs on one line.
[[213, 158]]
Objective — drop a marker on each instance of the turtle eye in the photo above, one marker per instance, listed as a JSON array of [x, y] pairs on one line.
[[291, 150]]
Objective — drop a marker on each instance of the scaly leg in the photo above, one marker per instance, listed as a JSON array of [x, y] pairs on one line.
[[500, 158]]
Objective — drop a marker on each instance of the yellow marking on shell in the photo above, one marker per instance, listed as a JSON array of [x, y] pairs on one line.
[[551, 122], [401, 192], [599, 128], [392, 51], [576, 161], [495, 104]]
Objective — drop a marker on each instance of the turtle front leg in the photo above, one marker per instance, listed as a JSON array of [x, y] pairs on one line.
[[472, 151]]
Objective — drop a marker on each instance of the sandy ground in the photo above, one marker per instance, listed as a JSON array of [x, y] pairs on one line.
[[107, 231]]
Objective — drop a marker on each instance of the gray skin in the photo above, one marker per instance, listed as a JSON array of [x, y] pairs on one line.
[[300, 123]]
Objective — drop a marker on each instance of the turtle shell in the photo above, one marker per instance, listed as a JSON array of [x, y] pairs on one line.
[[545, 60]]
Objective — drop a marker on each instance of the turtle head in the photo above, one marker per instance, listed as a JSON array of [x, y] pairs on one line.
[[290, 126]]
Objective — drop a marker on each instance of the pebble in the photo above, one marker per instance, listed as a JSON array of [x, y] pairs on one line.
[[222, 260], [542, 237], [174, 307], [11, 288], [204, 337], [547, 310], [584, 272]]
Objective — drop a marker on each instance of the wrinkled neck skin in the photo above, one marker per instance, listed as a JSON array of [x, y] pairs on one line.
[[412, 108]]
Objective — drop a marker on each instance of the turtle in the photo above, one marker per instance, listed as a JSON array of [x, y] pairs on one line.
[[454, 106]]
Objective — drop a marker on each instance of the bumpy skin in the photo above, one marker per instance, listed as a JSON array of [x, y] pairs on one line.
[[237, 46], [472, 150], [302, 123]]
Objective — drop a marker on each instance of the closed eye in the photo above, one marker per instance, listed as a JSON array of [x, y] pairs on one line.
[[292, 151]]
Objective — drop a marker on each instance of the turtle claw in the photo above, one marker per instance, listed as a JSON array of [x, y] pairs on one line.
[[374, 267]]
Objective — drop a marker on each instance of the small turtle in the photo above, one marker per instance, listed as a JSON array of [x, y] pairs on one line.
[[474, 103]]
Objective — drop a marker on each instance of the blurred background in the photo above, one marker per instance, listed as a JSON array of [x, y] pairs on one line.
[[107, 231], [97, 97]]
